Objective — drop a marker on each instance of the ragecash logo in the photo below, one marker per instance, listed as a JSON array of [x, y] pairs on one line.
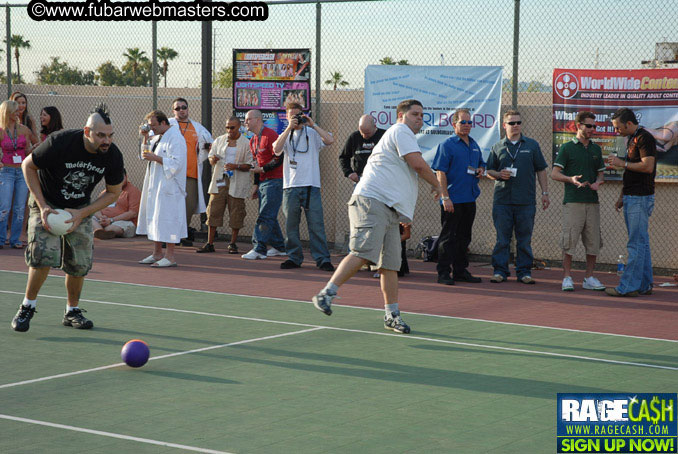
[[639, 422], [566, 85]]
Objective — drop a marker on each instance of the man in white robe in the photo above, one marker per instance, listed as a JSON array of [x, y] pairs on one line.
[[162, 211]]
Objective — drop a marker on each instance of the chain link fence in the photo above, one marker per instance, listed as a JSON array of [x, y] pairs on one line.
[[74, 65]]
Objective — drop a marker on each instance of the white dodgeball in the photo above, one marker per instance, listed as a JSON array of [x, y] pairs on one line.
[[57, 222]]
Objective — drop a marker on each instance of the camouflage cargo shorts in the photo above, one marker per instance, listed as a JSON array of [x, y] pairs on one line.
[[72, 253]]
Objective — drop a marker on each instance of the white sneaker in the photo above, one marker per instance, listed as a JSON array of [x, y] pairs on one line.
[[568, 285], [591, 283], [253, 255], [273, 252]]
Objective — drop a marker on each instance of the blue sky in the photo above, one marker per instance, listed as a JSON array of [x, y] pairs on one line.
[[553, 34]]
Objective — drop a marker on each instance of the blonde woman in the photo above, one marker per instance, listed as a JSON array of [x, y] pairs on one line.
[[16, 141]]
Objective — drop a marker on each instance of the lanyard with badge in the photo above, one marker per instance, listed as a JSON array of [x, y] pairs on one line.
[[16, 159], [293, 162], [512, 169]]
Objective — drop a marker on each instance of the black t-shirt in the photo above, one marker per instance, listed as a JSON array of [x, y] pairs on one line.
[[640, 145], [354, 156], [68, 173]]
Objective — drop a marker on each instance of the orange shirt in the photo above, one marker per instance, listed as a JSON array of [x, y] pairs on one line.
[[128, 201], [191, 138]]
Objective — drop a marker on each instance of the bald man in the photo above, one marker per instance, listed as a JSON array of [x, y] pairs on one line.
[[359, 147], [61, 173]]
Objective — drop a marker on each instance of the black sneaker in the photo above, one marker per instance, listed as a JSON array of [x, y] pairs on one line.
[[75, 319], [467, 277], [396, 323], [445, 279], [22, 320], [323, 302], [288, 265], [326, 266]]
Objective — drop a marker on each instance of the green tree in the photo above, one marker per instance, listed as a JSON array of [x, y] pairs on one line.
[[224, 77], [336, 79], [166, 54], [390, 61], [135, 58], [107, 74], [60, 73], [18, 42]]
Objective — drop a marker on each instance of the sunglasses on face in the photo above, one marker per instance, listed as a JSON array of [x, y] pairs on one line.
[[181, 108], [513, 123], [465, 122], [231, 127], [588, 125]]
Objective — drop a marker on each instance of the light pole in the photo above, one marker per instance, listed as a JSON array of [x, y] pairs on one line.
[[214, 54]]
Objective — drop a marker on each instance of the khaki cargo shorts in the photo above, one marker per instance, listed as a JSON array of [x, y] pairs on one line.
[[217, 207], [375, 232], [581, 220], [72, 253]]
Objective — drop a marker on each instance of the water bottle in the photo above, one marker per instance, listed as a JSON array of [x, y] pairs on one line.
[[229, 173], [620, 265]]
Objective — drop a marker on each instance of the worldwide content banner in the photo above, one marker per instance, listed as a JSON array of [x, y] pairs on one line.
[[617, 423], [269, 79], [442, 90], [651, 93]]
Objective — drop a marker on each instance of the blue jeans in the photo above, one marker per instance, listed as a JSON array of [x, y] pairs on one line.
[[267, 230], [13, 189], [638, 271], [295, 200], [508, 218]]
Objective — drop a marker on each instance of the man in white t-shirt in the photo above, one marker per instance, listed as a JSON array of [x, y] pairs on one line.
[[385, 195], [301, 142]]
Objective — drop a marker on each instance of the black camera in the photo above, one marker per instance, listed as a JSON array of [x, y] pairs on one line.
[[300, 118]]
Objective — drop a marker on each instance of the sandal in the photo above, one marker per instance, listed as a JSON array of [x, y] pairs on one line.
[[164, 263]]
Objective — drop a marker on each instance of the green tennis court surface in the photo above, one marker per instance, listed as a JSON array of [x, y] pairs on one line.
[[238, 374]]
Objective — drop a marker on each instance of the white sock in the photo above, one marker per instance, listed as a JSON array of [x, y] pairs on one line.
[[330, 289], [29, 303], [390, 309], [70, 308]]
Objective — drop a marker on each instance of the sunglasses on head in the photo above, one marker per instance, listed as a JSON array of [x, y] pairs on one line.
[[181, 108], [466, 122], [513, 123], [588, 125]]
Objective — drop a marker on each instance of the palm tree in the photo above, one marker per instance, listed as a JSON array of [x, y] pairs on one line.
[[165, 54], [336, 79], [135, 57], [18, 42]]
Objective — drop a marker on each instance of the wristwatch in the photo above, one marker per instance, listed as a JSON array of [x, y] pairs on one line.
[[545, 193], [444, 198]]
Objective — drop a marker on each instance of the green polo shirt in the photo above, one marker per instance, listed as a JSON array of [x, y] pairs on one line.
[[576, 159]]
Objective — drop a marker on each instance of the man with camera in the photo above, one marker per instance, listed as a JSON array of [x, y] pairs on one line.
[[513, 164], [301, 142], [198, 140], [161, 211], [358, 148]]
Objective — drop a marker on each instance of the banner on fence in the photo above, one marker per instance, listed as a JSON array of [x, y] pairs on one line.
[[651, 93], [268, 79], [442, 90]]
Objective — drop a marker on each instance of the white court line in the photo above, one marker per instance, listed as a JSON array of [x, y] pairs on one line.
[[400, 336], [169, 355], [496, 322], [112, 435]]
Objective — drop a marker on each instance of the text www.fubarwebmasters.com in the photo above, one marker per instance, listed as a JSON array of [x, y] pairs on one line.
[[100, 10]]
